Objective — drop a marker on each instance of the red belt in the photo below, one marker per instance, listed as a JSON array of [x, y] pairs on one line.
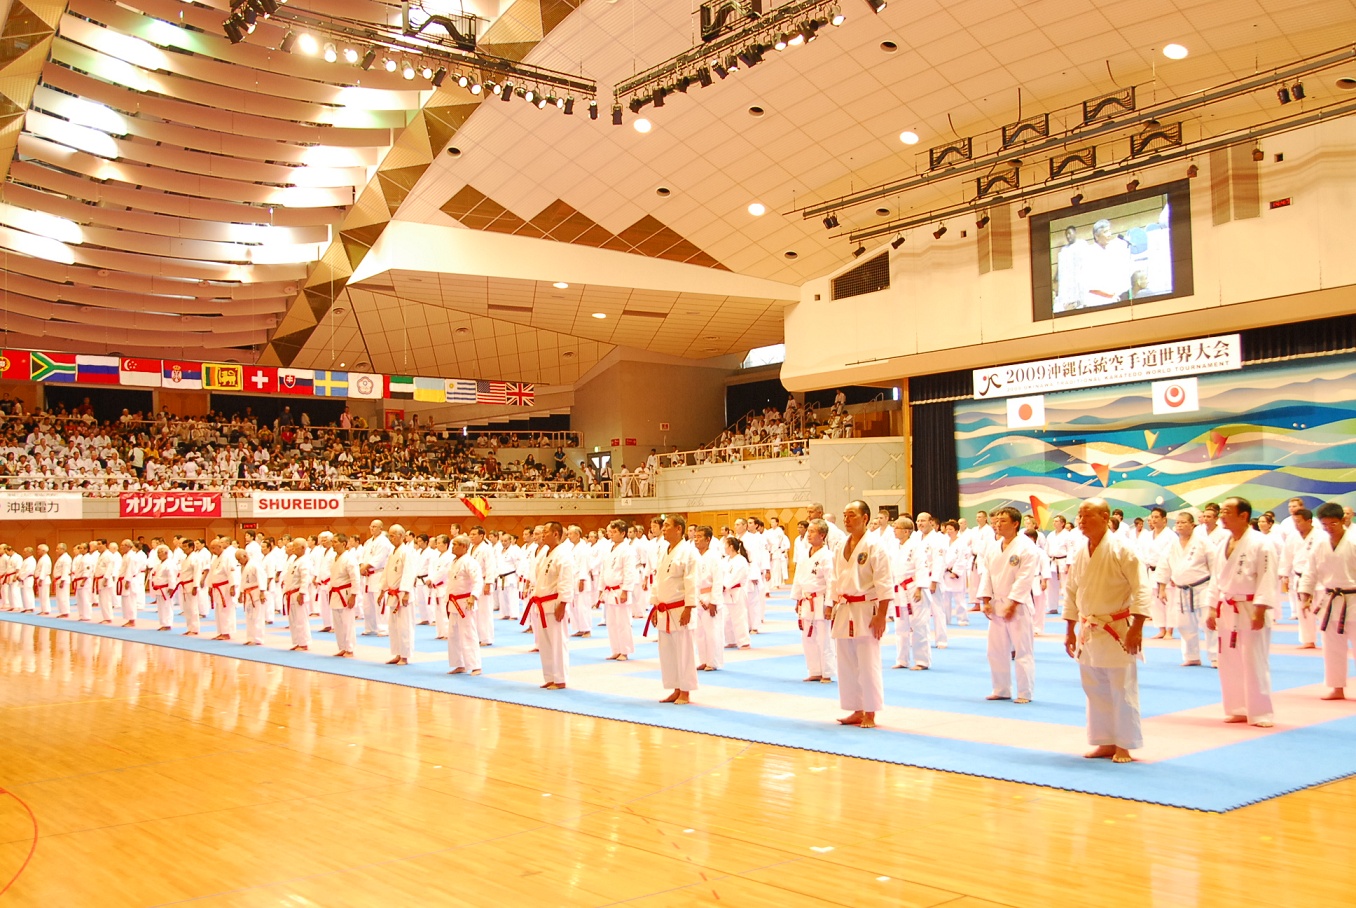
[[539, 602], [1233, 634], [851, 628], [287, 600], [215, 594], [386, 597], [80, 580], [246, 593], [455, 601], [1094, 623], [800, 622], [160, 588], [340, 590], [664, 608]]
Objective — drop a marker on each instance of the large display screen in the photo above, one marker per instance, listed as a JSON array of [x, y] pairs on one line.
[[1112, 252]]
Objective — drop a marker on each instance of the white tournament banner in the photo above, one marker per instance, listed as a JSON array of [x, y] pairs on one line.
[[297, 504], [1114, 367], [41, 506]]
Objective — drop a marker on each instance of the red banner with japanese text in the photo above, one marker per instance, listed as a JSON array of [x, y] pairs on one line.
[[169, 504]]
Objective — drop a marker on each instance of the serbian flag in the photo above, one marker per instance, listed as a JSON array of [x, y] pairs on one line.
[[15, 365], [181, 376], [140, 373], [261, 379], [478, 506], [1041, 511], [96, 370]]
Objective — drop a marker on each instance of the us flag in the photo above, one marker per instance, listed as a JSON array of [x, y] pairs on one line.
[[491, 392], [521, 394]]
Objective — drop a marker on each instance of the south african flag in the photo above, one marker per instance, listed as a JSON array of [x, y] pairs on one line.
[[53, 367]]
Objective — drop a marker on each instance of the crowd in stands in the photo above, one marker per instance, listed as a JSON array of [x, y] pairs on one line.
[[769, 433], [64, 450]]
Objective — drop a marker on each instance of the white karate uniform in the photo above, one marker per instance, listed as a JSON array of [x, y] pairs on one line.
[[187, 584], [673, 595], [485, 557], [464, 582], [345, 588], [61, 583], [710, 627], [28, 573], [1296, 556], [1008, 572], [1152, 551], [1333, 569], [223, 586], [1184, 571], [1242, 583], [1103, 591], [552, 586], [585, 594], [375, 552], [810, 592], [296, 583], [164, 579], [132, 592], [506, 587], [252, 595], [83, 583], [861, 584], [910, 611], [733, 585], [617, 576], [107, 566], [397, 584], [42, 585]]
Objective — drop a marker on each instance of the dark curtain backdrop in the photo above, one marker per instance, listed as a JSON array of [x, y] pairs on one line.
[[935, 488]]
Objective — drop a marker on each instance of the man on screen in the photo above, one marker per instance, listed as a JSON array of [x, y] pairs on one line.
[[1068, 274], [1106, 267]]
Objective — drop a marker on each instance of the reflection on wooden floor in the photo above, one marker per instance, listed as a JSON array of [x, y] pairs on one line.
[[159, 776]]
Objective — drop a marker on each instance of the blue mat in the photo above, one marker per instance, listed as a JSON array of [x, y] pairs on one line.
[[1255, 768]]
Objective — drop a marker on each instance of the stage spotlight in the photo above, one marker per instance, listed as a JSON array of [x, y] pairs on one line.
[[251, 19], [720, 70], [506, 93], [831, 222], [350, 55], [369, 58], [616, 115], [780, 43], [749, 57], [529, 95], [427, 72], [897, 242], [1023, 211], [567, 106], [836, 17], [1076, 200], [541, 103], [331, 52], [1193, 171], [636, 104], [307, 44], [390, 64], [288, 40], [732, 63], [704, 76], [593, 110], [982, 222], [859, 252], [659, 95], [476, 88], [1257, 155], [439, 77], [1132, 186], [1283, 94], [233, 30], [877, 6], [407, 70], [939, 232], [1297, 91]]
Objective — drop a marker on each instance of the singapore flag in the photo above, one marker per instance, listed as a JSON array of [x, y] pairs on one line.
[[1176, 395]]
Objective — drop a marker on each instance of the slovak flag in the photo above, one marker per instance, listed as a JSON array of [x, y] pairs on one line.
[[141, 373], [296, 381], [1026, 412]]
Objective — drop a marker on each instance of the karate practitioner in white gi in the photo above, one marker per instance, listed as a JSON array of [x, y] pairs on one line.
[[552, 586], [1182, 575], [861, 592], [1008, 572], [464, 581], [810, 592], [1106, 601], [397, 584], [1332, 567], [710, 621], [673, 597], [252, 593], [620, 582], [296, 580]]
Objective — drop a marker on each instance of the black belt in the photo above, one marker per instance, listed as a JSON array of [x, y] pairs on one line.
[[1333, 595]]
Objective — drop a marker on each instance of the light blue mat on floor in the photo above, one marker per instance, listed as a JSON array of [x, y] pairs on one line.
[[1255, 766]]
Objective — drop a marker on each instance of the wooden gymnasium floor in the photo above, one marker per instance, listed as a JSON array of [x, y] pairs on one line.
[[158, 777]]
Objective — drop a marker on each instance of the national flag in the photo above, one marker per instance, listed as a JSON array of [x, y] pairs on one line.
[[478, 506], [181, 376], [223, 376], [433, 390], [461, 391], [521, 394], [296, 381], [261, 379], [331, 384], [1026, 412], [52, 367], [1041, 511], [15, 365], [367, 385], [400, 387], [1178, 395], [141, 373], [491, 392], [96, 370]]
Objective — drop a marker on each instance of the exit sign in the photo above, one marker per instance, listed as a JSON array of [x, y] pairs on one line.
[[249, 526], [1280, 203], [663, 427], [616, 442]]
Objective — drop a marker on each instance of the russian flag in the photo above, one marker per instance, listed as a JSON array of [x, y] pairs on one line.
[[96, 370]]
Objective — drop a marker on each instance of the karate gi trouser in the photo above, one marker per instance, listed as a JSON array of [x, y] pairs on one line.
[[322, 590], [63, 598], [164, 608], [345, 628], [106, 595], [192, 622], [778, 570], [272, 601], [401, 621], [1113, 705], [463, 642], [580, 611], [555, 657], [710, 637], [484, 618], [920, 649], [1010, 648], [83, 599], [1158, 611], [440, 624], [860, 685], [677, 653], [755, 604], [1054, 594], [510, 606], [935, 605], [202, 602], [224, 606], [956, 608], [298, 620], [26, 595], [254, 619], [129, 603], [1190, 624], [1244, 668], [620, 635], [816, 639], [1338, 647], [43, 597], [1037, 611], [374, 622], [737, 619], [419, 602], [1308, 618]]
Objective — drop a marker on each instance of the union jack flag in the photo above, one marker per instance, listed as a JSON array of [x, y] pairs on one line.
[[521, 394], [491, 392]]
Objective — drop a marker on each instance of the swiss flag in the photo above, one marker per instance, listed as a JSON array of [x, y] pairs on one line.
[[261, 379]]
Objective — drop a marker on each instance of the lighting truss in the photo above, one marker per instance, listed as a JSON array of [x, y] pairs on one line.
[[742, 47], [431, 43]]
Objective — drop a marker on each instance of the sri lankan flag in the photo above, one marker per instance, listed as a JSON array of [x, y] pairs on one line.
[[478, 506], [223, 376], [53, 367]]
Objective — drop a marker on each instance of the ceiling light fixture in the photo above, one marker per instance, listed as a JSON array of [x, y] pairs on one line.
[[561, 285], [308, 44], [390, 64], [1193, 171], [1297, 91], [877, 6], [439, 77], [331, 53], [407, 70], [1257, 155], [1076, 200], [350, 55], [1283, 95], [1175, 51], [831, 222], [897, 242], [616, 114], [859, 252], [908, 137], [289, 38], [427, 72], [939, 232], [642, 126], [1132, 186], [982, 222], [369, 58], [600, 315], [757, 209], [1023, 211], [836, 17]]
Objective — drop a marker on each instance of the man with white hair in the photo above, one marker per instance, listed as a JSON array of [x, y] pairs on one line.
[[1105, 266], [464, 582], [483, 552], [345, 582], [251, 594], [296, 583], [61, 581], [28, 572], [164, 587], [132, 582], [42, 582], [223, 584], [397, 582], [375, 552], [836, 536], [552, 588]]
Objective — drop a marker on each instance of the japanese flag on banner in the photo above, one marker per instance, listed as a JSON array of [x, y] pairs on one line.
[[1178, 395], [1026, 412]]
